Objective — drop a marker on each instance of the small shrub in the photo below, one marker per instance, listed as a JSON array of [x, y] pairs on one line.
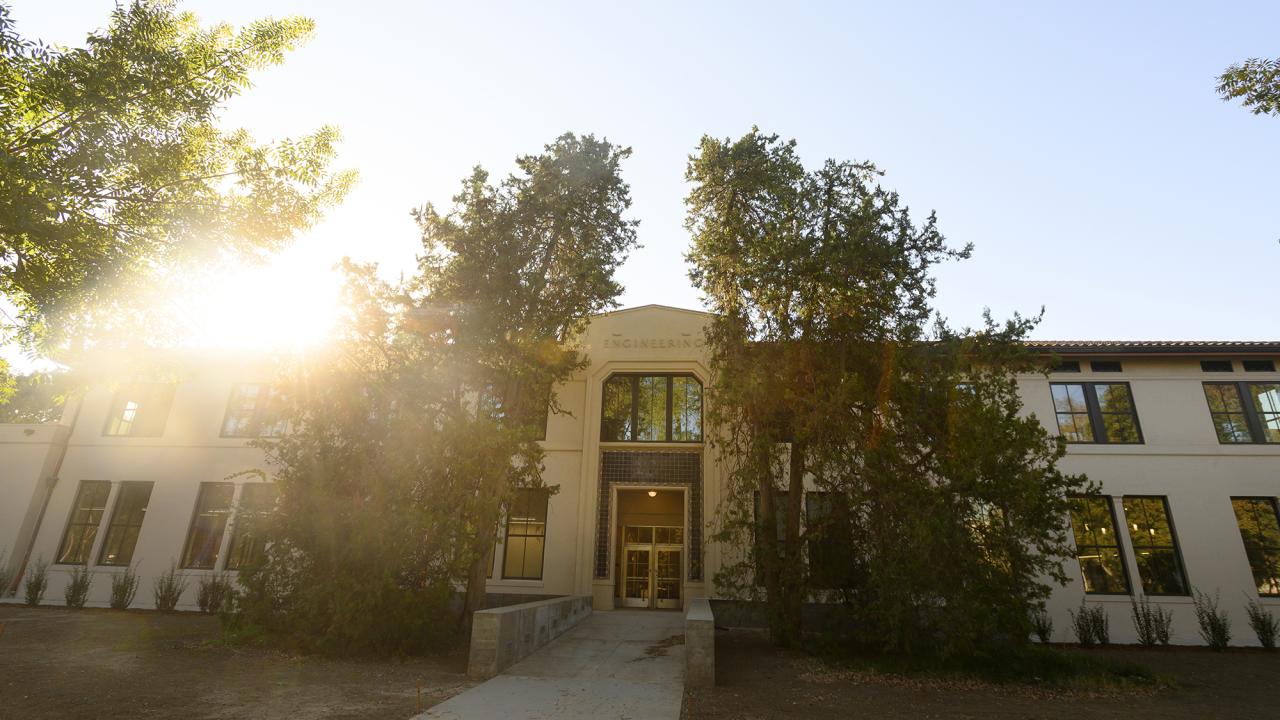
[[1042, 625], [37, 582], [1153, 624], [213, 593], [77, 591], [169, 588], [123, 587], [1264, 624], [1215, 626], [1091, 625]]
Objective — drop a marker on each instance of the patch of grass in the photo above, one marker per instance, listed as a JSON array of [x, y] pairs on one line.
[[1032, 665]]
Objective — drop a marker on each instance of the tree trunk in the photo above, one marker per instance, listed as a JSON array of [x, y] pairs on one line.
[[477, 579], [794, 585]]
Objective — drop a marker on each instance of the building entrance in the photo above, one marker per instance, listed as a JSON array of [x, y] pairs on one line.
[[653, 566]]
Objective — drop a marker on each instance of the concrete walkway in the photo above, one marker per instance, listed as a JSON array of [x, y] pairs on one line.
[[618, 665]]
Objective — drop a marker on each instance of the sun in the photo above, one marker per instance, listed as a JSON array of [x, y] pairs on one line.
[[288, 303]]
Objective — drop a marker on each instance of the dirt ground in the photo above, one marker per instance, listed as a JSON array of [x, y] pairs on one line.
[[56, 663], [757, 682]]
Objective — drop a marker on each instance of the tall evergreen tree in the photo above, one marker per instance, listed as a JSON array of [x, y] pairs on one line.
[[873, 458]]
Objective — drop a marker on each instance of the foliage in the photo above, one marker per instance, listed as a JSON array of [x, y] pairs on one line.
[[36, 398], [1153, 624], [37, 582], [1215, 626], [1256, 82], [124, 586], [1042, 625], [6, 575], [213, 592], [168, 588], [1091, 624], [416, 426], [115, 173], [77, 590], [946, 507], [1264, 624]]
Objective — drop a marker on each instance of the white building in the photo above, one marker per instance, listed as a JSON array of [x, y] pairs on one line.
[[1184, 439]]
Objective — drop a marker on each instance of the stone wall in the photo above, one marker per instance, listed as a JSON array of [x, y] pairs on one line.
[[501, 637]]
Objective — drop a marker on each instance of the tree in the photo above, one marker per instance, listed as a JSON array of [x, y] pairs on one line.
[[519, 268], [1256, 81], [873, 459], [113, 171]]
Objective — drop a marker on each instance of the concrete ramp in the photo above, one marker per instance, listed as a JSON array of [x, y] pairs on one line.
[[613, 665]]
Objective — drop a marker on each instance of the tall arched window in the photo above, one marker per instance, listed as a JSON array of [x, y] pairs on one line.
[[651, 408]]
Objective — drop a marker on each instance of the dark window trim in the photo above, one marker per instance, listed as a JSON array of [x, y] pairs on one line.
[[546, 527], [635, 406], [66, 530], [1115, 528], [1096, 420], [1275, 508], [1173, 535], [1259, 365], [111, 522], [1106, 366], [1217, 366], [1257, 434]]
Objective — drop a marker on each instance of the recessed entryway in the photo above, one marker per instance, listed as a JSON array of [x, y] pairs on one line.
[[651, 548]]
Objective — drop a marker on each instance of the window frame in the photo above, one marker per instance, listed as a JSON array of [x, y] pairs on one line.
[[506, 537], [162, 391], [1097, 418], [239, 506], [669, 377], [219, 556], [1173, 537], [260, 418], [1124, 563], [115, 514], [1275, 510], [1252, 418], [71, 523]]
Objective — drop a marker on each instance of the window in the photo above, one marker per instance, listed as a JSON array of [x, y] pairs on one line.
[[1096, 413], [1237, 420], [86, 517], [1259, 366], [139, 410], [526, 536], [1259, 522], [1066, 366], [827, 525], [651, 408], [1105, 366], [1215, 366], [253, 411], [126, 523], [1155, 547], [213, 509], [1098, 546], [257, 500]]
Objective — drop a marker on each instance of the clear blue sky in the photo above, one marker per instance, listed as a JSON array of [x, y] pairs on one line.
[[1080, 147]]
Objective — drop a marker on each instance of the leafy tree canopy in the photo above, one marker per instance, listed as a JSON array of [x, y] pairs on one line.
[[873, 458], [112, 168], [1255, 82]]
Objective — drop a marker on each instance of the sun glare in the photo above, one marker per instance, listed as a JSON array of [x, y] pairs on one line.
[[287, 304]]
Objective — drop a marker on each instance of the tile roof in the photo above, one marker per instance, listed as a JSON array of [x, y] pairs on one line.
[[1156, 347]]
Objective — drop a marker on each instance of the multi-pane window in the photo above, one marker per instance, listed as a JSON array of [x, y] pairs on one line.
[[139, 410], [126, 523], [1155, 547], [828, 533], [256, 502], [213, 510], [1096, 412], [526, 535], [1259, 523], [1244, 412], [651, 408], [86, 517], [253, 411], [1098, 546]]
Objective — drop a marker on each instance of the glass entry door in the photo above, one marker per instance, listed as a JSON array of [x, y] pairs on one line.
[[652, 566]]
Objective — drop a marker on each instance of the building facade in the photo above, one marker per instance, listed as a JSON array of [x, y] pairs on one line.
[[1183, 438]]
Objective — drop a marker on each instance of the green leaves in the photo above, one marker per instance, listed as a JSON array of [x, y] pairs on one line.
[[112, 168], [1256, 82]]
